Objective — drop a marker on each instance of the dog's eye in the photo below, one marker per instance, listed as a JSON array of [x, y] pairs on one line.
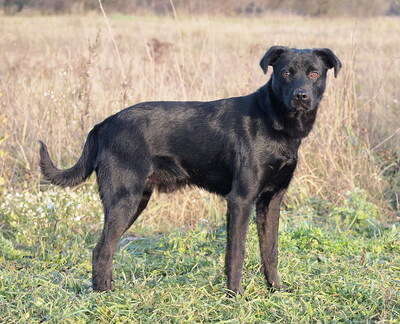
[[285, 74], [313, 75]]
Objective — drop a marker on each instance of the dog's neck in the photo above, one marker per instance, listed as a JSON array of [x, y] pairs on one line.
[[296, 124]]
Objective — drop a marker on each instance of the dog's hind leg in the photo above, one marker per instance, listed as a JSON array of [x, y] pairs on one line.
[[142, 205], [122, 206]]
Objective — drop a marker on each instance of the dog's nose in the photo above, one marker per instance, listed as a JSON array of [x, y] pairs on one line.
[[301, 95]]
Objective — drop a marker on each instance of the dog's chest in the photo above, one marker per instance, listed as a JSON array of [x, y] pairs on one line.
[[279, 168], [287, 165]]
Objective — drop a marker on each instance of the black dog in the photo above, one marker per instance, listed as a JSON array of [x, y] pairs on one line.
[[242, 148]]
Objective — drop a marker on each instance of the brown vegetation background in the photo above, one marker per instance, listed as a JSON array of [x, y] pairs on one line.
[[59, 75]]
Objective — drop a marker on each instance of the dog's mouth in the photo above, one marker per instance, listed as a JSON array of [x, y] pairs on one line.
[[300, 106]]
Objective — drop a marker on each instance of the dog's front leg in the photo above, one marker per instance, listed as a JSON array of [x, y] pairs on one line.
[[268, 212], [237, 224]]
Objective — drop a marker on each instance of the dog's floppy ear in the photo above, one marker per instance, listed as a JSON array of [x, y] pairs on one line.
[[329, 58], [272, 56]]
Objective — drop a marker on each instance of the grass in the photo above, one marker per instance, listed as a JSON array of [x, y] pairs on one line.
[[336, 273], [339, 235]]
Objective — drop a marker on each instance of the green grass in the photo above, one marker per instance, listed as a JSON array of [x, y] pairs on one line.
[[337, 274]]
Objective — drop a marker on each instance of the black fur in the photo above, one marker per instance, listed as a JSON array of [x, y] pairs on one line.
[[242, 148]]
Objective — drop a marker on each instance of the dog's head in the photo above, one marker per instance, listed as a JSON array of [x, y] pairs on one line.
[[299, 76]]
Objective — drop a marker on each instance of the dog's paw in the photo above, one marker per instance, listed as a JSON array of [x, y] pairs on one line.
[[102, 287], [234, 292], [278, 287]]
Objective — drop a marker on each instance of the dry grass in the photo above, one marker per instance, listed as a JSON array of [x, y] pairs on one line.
[[61, 75]]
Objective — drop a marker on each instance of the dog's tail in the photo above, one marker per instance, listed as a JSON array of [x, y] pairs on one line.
[[79, 172]]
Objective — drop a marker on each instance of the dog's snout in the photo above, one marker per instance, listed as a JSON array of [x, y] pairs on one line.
[[301, 95]]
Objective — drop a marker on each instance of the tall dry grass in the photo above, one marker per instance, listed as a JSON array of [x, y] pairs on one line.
[[61, 75]]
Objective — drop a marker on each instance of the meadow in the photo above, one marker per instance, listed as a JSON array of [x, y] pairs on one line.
[[339, 236]]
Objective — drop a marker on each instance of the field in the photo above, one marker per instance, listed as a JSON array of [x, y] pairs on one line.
[[339, 236]]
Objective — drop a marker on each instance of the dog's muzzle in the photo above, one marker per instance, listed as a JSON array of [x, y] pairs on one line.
[[301, 100]]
